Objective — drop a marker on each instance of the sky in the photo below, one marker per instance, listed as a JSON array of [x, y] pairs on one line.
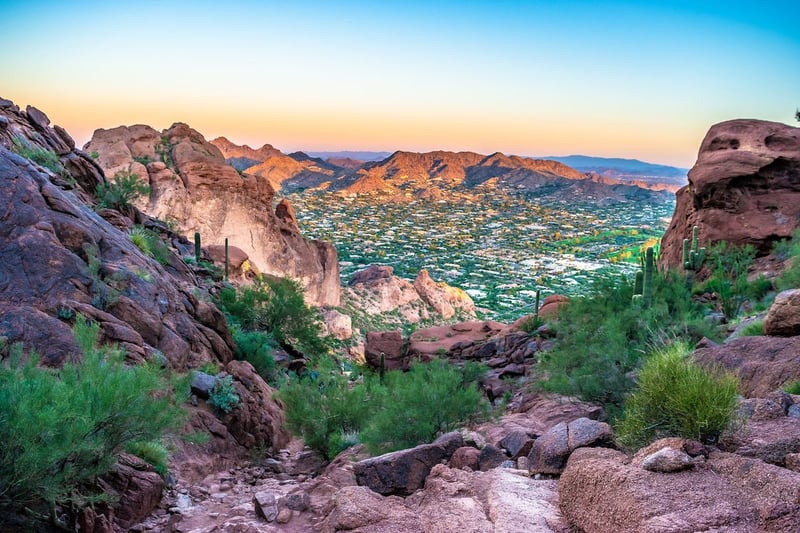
[[616, 79]]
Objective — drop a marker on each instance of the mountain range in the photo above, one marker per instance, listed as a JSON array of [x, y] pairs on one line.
[[432, 174]]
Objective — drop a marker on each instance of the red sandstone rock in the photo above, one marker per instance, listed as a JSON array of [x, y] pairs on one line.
[[743, 189], [783, 317]]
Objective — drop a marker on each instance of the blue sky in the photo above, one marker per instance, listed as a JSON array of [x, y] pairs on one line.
[[622, 79]]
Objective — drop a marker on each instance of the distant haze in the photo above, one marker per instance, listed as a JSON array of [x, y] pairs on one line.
[[617, 79]]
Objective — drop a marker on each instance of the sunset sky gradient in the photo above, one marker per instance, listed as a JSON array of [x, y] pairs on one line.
[[617, 79]]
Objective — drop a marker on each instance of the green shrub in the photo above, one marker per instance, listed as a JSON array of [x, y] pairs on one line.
[[326, 409], [793, 387], [602, 337], [789, 249], [121, 191], [149, 242], [276, 305], [257, 348], [729, 275], [46, 158], [676, 397], [418, 405], [144, 160], [61, 429], [753, 329], [153, 452], [223, 396], [531, 324]]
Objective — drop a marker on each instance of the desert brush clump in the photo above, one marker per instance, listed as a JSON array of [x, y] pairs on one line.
[[150, 244], [41, 156], [676, 397], [331, 411], [119, 192], [222, 396], [63, 428], [276, 306], [789, 250]]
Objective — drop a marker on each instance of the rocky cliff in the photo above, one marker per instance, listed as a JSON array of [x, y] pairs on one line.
[[193, 186], [743, 189]]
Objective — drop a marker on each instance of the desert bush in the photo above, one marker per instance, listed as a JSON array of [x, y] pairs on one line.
[[150, 244], [153, 452], [676, 397], [121, 191], [62, 428], [326, 409], [753, 329], [257, 348], [793, 387], [222, 396], [602, 337], [276, 305], [418, 405], [789, 249], [728, 281], [46, 158]]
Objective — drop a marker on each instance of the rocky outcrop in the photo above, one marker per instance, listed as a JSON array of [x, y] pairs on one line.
[[192, 185], [549, 453], [783, 317], [763, 364], [729, 493], [743, 189], [442, 297]]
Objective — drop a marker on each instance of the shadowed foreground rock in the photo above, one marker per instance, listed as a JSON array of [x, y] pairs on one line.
[[600, 492]]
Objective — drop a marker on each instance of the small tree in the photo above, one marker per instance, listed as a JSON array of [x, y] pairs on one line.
[[121, 191]]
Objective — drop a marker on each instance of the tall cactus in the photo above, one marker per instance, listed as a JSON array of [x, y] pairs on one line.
[[647, 278], [693, 257], [197, 247], [226, 259]]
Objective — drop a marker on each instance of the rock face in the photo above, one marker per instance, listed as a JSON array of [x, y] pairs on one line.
[[549, 452], [762, 363], [743, 189], [192, 185], [443, 298], [600, 491], [783, 318]]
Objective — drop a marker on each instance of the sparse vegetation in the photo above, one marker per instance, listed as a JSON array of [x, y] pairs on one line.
[[753, 329], [121, 191], [729, 276], [257, 348], [153, 452], [223, 396], [149, 242], [676, 397], [789, 249], [41, 156], [793, 387], [62, 428]]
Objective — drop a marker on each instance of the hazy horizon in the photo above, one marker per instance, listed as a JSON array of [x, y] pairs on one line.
[[617, 79]]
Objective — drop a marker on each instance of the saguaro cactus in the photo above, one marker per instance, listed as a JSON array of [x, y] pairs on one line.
[[226, 259], [197, 247], [693, 257], [647, 277]]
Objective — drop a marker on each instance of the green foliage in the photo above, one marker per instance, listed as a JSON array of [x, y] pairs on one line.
[[323, 407], [418, 405], [95, 154], [601, 338], [153, 452], [61, 429], [331, 412], [149, 242], [793, 387], [753, 329], [257, 348], [121, 191], [144, 160], [276, 305], [223, 396], [196, 437], [46, 158], [729, 276], [209, 367], [790, 277], [531, 324], [676, 397]]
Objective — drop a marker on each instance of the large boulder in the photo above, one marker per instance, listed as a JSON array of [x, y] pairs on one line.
[[743, 189], [549, 453], [389, 346], [783, 317], [401, 472], [763, 364], [600, 491], [192, 185]]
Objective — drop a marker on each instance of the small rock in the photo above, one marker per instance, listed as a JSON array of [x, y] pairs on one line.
[[522, 463], [490, 457], [298, 501], [450, 442], [667, 460], [184, 501], [508, 464], [792, 461], [202, 384], [465, 457], [266, 505], [284, 516], [517, 443], [794, 411]]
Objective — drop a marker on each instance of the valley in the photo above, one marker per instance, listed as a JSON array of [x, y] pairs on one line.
[[499, 247]]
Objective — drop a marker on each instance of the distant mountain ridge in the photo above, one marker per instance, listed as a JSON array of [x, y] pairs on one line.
[[432, 175], [625, 169]]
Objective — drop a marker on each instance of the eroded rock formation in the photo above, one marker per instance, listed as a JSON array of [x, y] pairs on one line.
[[193, 186]]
